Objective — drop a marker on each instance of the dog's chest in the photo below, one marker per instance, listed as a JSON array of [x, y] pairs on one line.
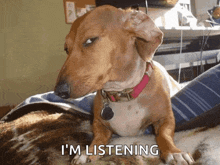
[[128, 117]]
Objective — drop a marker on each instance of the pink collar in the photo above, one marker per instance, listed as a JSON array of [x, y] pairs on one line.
[[130, 93]]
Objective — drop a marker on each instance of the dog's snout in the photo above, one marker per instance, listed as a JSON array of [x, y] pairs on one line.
[[62, 90]]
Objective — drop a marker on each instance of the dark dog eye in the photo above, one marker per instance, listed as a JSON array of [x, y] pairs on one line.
[[67, 51], [89, 41]]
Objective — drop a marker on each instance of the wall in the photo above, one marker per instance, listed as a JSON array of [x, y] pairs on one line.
[[32, 36], [82, 3]]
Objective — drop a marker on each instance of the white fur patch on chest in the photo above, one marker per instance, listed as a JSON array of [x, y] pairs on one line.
[[128, 117]]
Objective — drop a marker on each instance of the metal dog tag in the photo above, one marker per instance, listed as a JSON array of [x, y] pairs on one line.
[[107, 112]]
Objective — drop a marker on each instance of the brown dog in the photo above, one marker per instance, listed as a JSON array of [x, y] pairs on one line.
[[110, 51]]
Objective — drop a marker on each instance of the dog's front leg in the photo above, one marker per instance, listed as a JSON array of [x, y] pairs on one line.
[[164, 130], [102, 135]]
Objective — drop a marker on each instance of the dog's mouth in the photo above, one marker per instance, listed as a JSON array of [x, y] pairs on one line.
[[70, 100], [69, 87], [79, 93]]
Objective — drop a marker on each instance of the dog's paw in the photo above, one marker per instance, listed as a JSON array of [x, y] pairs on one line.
[[80, 159], [83, 158], [181, 158]]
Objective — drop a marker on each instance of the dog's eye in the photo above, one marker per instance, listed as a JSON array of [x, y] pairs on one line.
[[67, 51], [89, 41]]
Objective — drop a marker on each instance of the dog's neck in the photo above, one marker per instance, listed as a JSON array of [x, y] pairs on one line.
[[129, 93], [134, 79]]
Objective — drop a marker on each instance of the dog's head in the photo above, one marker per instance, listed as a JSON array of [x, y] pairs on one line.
[[103, 46]]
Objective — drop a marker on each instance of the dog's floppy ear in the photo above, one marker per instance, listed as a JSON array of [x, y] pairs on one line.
[[148, 35]]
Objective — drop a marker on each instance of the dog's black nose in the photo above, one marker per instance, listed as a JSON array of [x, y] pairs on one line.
[[62, 90]]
